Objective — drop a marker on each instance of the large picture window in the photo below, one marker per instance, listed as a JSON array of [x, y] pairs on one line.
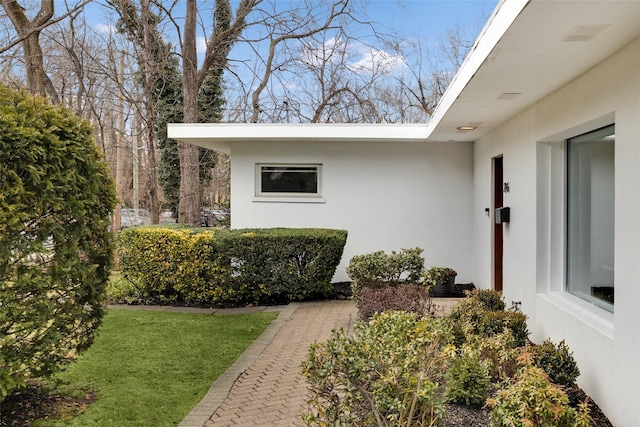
[[288, 180], [590, 216]]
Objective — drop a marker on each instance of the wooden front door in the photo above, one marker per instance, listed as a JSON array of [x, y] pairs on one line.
[[498, 183]]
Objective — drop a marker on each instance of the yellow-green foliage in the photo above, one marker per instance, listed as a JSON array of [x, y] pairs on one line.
[[390, 371], [483, 313], [531, 400], [170, 265], [230, 267]]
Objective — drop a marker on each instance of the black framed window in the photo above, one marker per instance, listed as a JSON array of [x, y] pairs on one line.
[[288, 180]]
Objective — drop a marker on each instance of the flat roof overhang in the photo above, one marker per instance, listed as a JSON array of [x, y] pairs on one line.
[[527, 50], [219, 136]]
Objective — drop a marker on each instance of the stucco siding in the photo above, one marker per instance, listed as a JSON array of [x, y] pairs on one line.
[[606, 345], [388, 196]]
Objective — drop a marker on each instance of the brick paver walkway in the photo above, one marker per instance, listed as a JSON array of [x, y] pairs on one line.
[[265, 386]]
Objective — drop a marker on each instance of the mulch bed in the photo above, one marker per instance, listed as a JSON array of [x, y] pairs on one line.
[[24, 407], [465, 416]]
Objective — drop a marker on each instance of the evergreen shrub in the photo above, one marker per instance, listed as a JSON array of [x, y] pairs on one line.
[[230, 267], [56, 195], [379, 269], [291, 264], [557, 361], [532, 400], [388, 372], [490, 299], [468, 379], [496, 322]]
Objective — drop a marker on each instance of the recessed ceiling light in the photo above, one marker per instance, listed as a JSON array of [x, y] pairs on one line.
[[466, 128], [506, 96], [584, 33]]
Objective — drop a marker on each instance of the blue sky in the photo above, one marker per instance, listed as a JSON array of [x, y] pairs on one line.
[[425, 19], [431, 18]]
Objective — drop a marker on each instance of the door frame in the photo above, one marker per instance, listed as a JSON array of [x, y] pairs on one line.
[[497, 168]]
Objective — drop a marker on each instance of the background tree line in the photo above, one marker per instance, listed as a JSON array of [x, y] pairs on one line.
[[146, 63]]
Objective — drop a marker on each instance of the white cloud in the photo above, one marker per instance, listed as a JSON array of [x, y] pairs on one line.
[[106, 28], [330, 51], [292, 86], [201, 45], [357, 56], [375, 60]]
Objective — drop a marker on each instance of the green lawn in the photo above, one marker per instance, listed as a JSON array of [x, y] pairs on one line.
[[149, 368]]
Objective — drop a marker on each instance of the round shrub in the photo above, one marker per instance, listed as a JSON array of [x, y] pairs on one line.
[[496, 322], [468, 314], [56, 196], [557, 361], [490, 299], [468, 379], [532, 400], [378, 269]]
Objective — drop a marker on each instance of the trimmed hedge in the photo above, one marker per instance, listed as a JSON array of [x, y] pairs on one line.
[[230, 267], [379, 269]]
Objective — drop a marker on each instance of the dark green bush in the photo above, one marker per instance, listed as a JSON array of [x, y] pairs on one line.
[[230, 267], [56, 196], [468, 379], [495, 322], [291, 264], [490, 299], [557, 361]]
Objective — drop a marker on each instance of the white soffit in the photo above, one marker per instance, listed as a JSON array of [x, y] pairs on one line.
[[219, 136], [527, 50]]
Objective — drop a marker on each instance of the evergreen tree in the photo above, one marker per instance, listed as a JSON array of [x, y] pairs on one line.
[[169, 103], [210, 106], [56, 249]]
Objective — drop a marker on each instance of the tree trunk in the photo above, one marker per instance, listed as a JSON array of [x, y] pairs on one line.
[[37, 80], [189, 208], [150, 112]]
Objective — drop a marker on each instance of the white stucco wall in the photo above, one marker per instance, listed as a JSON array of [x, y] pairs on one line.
[[388, 196], [606, 346]]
